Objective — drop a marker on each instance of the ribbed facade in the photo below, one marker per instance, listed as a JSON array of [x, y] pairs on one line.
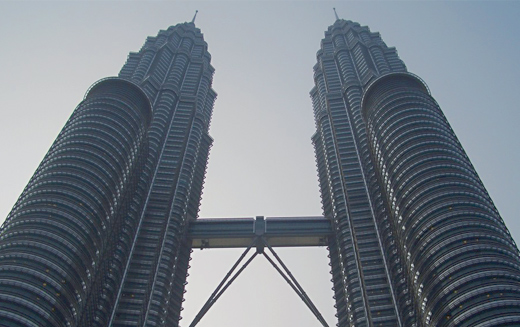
[[418, 241], [55, 246], [96, 238], [174, 70], [463, 262]]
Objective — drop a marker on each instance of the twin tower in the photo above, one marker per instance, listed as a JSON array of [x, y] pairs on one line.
[[102, 233]]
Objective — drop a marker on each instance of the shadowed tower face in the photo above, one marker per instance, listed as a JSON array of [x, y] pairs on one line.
[[174, 70], [95, 239], [418, 241]]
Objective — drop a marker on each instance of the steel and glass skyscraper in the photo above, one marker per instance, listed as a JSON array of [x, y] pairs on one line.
[[418, 241], [96, 238], [100, 237]]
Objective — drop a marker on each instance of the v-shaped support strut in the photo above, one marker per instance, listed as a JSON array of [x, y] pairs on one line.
[[260, 242]]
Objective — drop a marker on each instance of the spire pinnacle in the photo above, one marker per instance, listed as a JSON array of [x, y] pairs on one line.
[[194, 16], [335, 13]]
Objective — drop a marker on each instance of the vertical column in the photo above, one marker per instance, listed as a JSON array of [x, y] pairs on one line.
[[178, 79], [361, 274]]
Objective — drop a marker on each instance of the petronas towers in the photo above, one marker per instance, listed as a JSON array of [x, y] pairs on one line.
[[100, 235]]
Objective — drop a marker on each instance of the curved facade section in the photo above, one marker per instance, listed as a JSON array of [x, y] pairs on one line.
[[97, 238], [55, 239], [463, 264], [131, 93]]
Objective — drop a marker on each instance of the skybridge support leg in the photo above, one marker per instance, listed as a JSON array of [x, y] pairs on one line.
[[291, 280], [260, 242], [221, 287]]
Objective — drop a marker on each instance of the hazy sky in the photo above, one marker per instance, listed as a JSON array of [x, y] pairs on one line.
[[262, 161]]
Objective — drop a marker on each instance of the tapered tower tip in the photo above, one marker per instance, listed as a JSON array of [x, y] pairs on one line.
[[194, 16], [335, 13]]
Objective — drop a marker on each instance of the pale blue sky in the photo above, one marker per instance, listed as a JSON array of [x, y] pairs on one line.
[[262, 162]]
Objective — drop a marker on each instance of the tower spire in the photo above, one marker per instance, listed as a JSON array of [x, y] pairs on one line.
[[194, 16], [335, 13]]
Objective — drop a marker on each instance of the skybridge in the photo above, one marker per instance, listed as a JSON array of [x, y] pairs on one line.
[[259, 233], [277, 231]]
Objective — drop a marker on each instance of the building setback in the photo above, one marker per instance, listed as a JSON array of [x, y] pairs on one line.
[[418, 241], [96, 238]]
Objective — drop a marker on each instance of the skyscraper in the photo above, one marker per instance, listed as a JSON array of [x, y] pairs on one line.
[[418, 241], [95, 239]]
